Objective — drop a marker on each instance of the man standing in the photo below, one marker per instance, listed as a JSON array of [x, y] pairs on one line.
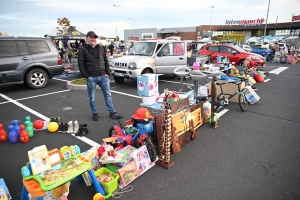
[[93, 65], [111, 48]]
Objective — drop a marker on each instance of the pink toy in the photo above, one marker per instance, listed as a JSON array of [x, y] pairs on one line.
[[196, 66], [3, 134], [24, 137]]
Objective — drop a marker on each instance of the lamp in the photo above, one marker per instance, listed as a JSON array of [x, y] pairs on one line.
[[211, 19]]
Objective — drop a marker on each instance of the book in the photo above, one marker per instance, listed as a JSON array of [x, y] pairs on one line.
[[118, 157], [128, 173], [39, 159], [129, 150], [142, 159]]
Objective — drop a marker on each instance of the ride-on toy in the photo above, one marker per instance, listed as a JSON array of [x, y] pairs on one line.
[[136, 132]]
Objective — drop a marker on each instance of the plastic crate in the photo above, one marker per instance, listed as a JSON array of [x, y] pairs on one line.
[[111, 186]]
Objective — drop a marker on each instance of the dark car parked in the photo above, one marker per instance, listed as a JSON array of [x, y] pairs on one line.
[[29, 60]]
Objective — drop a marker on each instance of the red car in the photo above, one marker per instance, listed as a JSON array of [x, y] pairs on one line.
[[235, 54]]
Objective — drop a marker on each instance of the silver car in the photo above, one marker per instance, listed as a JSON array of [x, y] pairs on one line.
[[246, 47]]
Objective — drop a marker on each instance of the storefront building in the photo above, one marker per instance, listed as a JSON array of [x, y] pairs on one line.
[[236, 30]]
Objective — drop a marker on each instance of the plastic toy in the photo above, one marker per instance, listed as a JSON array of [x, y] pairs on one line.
[[98, 196], [12, 135], [29, 128], [65, 152], [24, 137], [52, 127], [3, 134], [38, 124], [16, 126]]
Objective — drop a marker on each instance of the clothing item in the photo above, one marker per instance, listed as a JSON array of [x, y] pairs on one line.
[[91, 34], [271, 52], [92, 61], [95, 116], [103, 82]]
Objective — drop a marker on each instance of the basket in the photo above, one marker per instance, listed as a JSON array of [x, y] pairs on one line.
[[111, 186], [149, 100]]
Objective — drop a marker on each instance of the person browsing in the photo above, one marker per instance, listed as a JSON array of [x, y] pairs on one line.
[[93, 65]]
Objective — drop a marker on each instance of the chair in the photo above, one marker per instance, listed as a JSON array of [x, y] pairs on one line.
[[182, 72]]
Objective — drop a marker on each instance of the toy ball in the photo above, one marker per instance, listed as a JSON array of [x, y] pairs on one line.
[[38, 124], [98, 196], [259, 78], [52, 127]]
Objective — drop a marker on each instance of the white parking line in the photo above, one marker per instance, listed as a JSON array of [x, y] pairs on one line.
[[37, 96], [43, 117], [278, 70], [267, 80], [61, 80], [223, 112]]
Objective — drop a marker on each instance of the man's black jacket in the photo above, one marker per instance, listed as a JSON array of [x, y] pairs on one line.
[[88, 63]]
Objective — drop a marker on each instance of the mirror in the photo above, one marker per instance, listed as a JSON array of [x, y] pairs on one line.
[[234, 52]]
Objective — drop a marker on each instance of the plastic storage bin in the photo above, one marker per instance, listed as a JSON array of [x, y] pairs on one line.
[[111, 186]]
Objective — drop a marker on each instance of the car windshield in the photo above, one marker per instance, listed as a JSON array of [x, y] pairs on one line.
[[239, 49], [143, 49]]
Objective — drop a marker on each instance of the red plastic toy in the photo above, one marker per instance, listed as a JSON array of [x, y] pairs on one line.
[[24, 137], [38, 124], [3, 134]]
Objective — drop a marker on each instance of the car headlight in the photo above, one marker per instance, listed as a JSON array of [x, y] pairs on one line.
[[255, 58], [132, 65]]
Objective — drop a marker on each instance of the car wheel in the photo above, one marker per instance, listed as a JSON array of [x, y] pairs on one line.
[[37, 78], [147, 71], [118, 80]]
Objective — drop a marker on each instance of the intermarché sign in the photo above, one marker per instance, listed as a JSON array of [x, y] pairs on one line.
[[295, 18], [245, 22]]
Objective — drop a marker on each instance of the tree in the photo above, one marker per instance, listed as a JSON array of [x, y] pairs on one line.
[[103, 38], [1, 33], [118, 39], [64, 23]]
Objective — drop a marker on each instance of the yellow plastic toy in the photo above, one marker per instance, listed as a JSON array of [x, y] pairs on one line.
[[52, 127], [98, 196]]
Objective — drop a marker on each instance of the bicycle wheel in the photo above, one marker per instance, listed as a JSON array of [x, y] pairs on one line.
[[151, 149], [243, 102]]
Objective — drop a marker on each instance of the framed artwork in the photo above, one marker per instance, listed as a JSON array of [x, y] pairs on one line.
[[128, 173]]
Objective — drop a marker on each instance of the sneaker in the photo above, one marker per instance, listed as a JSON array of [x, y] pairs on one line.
[[114, 115], [78, 131], [70, 127], [76, 127], [65, 128], [60, 127], [84, 130], [95, 116]]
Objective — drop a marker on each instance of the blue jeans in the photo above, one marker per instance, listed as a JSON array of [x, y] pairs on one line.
[[271, 52], [103, 82]]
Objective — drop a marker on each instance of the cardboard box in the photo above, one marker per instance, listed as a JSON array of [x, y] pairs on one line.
[[230, 88], [147, 84]]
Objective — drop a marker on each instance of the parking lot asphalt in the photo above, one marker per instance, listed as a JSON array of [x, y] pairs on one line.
[[251, 155]]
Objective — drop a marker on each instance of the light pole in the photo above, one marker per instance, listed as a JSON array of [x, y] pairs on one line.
[[23, 26], [130, 27], [266, 22], [116, 22], [211, 19]]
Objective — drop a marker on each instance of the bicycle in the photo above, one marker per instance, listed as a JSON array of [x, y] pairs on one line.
[[222, 101]]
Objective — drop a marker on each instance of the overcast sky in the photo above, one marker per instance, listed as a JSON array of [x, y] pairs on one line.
[[39, 17]]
